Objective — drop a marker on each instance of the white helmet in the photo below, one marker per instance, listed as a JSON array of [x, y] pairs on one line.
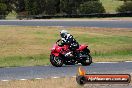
[[63, 33]]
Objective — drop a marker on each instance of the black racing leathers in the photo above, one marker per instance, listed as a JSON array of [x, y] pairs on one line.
[[69, 40]]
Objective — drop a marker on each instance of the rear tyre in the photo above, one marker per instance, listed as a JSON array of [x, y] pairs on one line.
[[56, 61]]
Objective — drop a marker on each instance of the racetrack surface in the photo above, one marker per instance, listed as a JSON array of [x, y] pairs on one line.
[[15, 73], [70, 23]]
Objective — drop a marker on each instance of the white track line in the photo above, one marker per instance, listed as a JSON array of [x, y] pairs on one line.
[[4, 80], [38, 78], [107, 62], [23, 79], [73, 76], [113, 62], [128, 61], [55, 77]]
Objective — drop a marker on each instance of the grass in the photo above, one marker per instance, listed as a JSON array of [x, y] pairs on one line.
[[32, 60], [45, 83], [54, 83], [111, 5], [30, 46], [11, 16]]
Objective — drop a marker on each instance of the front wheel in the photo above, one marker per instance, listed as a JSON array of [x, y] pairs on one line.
[[56, 61], [87, 61]]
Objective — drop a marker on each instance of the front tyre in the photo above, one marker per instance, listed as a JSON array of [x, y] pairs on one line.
[[87, 61], [56, 61]]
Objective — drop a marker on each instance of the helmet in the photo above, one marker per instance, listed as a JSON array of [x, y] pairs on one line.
[[63, 33]]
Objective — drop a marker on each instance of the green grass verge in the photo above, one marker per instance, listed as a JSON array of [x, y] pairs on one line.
[[14, 61], [30, 46], [111, 5], [11, 16]]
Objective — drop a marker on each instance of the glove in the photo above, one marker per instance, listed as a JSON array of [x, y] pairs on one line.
[[60, 45]]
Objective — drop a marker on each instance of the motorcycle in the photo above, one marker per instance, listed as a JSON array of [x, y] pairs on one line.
[[62, 55]]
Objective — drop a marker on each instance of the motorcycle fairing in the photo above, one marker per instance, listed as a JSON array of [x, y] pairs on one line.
[[57, 49], [82, 47]]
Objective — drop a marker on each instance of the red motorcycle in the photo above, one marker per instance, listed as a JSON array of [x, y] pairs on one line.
[[62, 55]]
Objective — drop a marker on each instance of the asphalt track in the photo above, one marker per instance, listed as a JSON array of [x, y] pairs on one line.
[[16, 73], [70, 23]]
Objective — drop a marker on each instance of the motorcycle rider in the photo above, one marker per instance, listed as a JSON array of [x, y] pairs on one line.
[[68, 39]]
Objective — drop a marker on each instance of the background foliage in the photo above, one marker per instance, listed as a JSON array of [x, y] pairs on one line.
[[26, 8]]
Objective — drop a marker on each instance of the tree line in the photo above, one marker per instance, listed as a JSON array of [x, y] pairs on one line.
[[56, 7]]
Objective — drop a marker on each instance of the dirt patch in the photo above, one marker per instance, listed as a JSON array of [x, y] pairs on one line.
[[57, 83]]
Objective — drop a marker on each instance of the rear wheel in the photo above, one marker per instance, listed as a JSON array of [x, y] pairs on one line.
[[56, 61]]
